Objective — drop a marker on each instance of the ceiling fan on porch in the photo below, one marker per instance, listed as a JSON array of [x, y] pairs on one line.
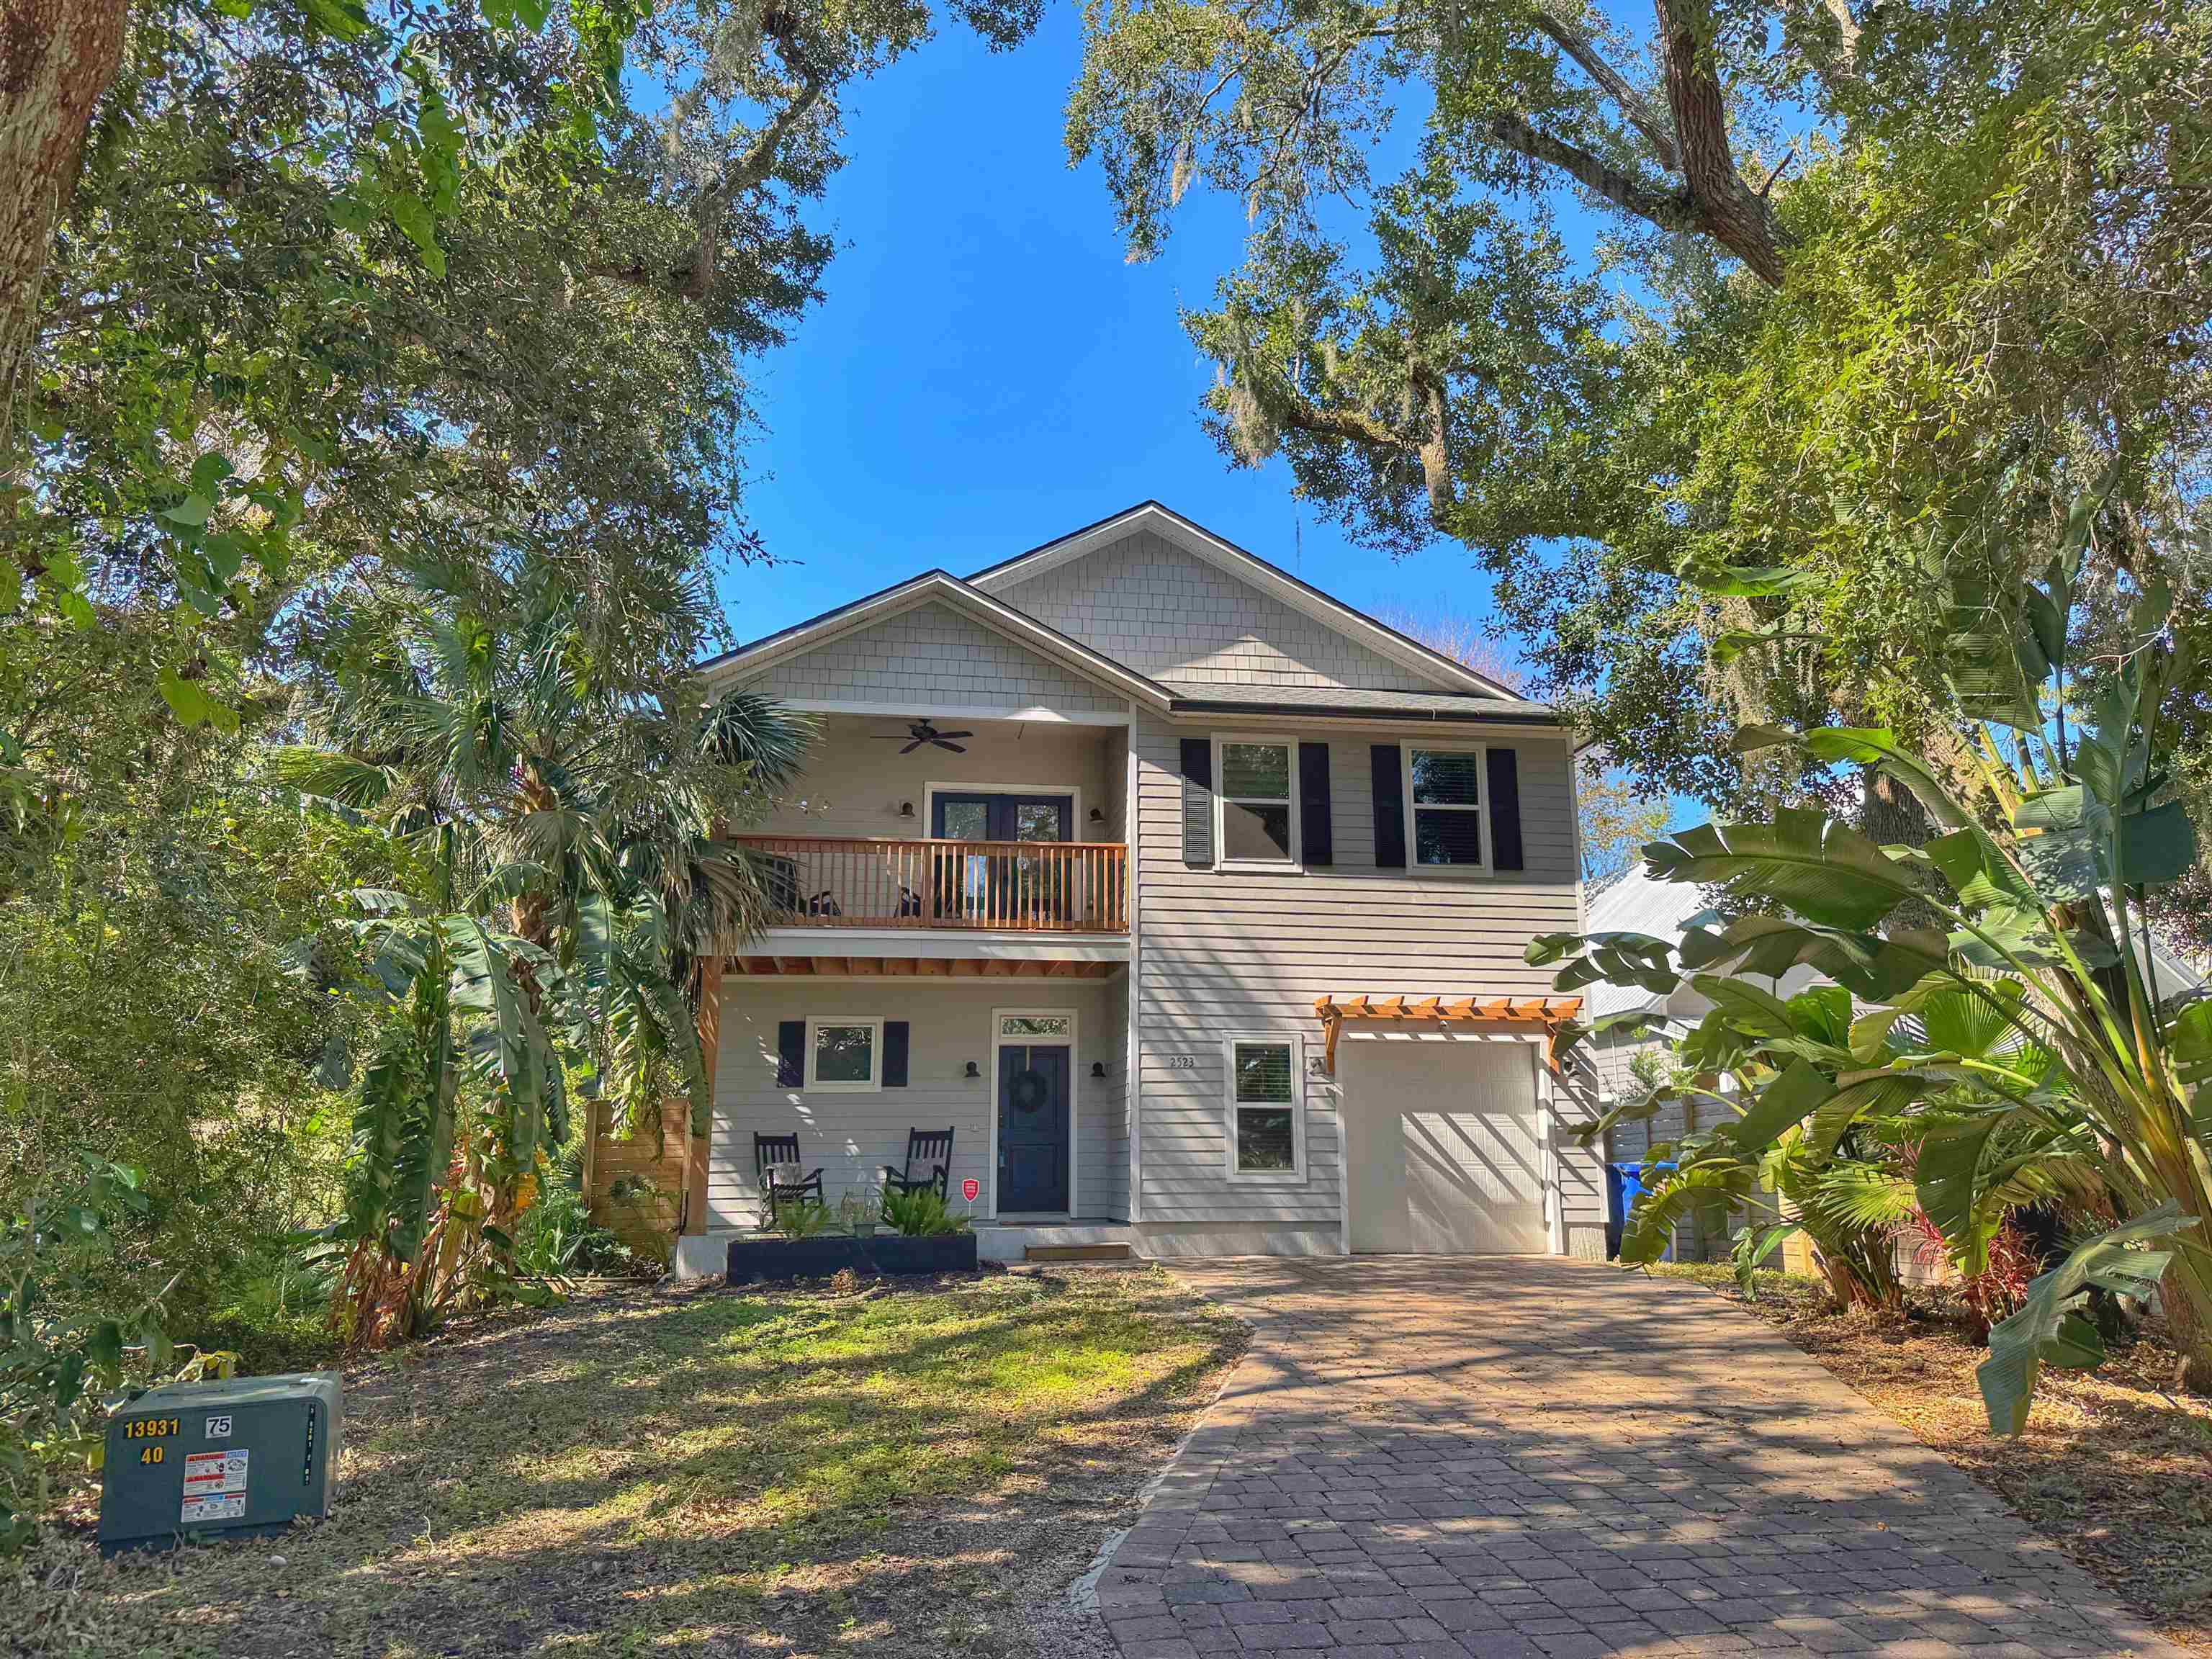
[[921, 733]]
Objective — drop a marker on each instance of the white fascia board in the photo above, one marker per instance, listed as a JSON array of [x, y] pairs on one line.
[[936, 943], [952, 711], [1203, 544], [931, 586], [1406, 728]]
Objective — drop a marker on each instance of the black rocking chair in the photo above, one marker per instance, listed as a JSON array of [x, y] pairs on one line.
[[930, 1149], [776, 1161]]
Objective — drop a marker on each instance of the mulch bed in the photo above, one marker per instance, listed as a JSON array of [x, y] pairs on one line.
[[2115, 1468]]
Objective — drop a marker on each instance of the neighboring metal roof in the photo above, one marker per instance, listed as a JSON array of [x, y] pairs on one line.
[[1635, 903], [1197, 697]]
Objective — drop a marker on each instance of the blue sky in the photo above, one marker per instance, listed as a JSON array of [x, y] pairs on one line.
[[986, 373]]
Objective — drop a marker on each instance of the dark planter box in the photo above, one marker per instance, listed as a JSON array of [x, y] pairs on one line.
[[754, 1260]]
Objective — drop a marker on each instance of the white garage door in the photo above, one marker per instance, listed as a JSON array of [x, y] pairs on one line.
[[1443, 1145]]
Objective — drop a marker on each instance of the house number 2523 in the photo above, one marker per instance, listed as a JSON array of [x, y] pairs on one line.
[[1183, 1062]]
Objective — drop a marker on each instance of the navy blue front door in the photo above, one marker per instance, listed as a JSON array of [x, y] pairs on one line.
[[1032, 1128]]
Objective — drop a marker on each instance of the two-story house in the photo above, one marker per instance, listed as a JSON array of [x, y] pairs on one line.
[[1192, 899]]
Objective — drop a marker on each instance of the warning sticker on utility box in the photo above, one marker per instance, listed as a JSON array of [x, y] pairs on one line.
[[215, 1486]]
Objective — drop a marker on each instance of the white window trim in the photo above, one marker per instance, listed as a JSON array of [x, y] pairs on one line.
[[1296, 1172], [875, 1082], [1221, 798], [1480, 810], [1073, 1039]]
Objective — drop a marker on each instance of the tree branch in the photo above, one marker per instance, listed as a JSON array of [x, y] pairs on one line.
[[1669, 209], [1569, 39], [744, 172], [692, 275]]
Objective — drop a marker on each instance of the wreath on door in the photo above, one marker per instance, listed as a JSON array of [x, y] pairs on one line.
[[1028, 1091]]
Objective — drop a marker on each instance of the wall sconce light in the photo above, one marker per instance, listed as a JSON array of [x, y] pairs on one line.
[[972, 1072], [1098, 815], [906, 808], [1098, 1069]]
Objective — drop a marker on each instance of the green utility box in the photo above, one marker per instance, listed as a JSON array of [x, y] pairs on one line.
[[237, 1459]]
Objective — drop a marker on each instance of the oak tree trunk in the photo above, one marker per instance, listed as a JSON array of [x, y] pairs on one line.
[[1726, 208], [56, 57]]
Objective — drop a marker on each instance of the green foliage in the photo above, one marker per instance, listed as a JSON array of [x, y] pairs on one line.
[[557, 1238], [57, 1362], [439, 1170], [920, 1213], [2051, 1329], [2023, 1053], [802, 1217], [1889, 302]]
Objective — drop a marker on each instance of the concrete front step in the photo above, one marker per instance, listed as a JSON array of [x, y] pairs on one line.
[[1022, 1240], [1076, 1253]]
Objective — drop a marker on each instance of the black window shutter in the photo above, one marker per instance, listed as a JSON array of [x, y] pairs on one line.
[[895, 1053], [1317, 839], [1504, 767], [1389, 806], [790, 1053], [1198, 801]]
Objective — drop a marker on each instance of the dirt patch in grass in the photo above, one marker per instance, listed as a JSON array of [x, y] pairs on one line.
[[898, 1471], [2113, 1469]]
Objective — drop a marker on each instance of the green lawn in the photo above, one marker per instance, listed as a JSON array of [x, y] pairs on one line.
[[907, 1471]]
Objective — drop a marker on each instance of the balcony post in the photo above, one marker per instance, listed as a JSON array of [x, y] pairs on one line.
[[699, 1148]]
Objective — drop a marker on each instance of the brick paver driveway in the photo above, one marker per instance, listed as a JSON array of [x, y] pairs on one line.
[[1428, 1459]]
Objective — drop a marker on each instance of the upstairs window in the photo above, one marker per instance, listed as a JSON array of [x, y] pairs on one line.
[[1444, 807], [1257, 824]]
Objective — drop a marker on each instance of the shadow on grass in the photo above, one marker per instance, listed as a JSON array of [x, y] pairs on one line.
[[702, 1472]]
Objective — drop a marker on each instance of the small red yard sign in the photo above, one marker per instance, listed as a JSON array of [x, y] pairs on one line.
[[970, 1187]]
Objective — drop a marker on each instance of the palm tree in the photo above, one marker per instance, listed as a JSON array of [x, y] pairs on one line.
[[586, 804]]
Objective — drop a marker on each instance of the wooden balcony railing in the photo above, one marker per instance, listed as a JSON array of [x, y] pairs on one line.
[[1009, 886]]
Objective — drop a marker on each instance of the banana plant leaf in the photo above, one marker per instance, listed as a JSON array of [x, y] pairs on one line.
[[1950, 1189], [2049, 1330], [1711, 1185], [1618, 958], [1819, 868], [1883, 1092], [1783, 1104], [1753, 1245], [1862, 746]]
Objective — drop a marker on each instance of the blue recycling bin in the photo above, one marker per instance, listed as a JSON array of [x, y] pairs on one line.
[[1624, 1185]]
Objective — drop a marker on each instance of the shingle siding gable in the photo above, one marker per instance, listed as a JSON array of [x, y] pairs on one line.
[[1167, 613], [932, 656]]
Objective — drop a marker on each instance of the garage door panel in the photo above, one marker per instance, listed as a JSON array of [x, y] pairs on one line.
[[1444, 1149]]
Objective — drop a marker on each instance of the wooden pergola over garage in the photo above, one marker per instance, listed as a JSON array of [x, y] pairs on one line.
[[1550, 1013]]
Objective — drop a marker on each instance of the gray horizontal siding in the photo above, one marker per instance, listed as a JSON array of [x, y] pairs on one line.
[[1242, 952], [855, 779], [852, 1136]]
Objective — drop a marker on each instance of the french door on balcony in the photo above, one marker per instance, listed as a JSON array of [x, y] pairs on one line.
[[1000, 884]]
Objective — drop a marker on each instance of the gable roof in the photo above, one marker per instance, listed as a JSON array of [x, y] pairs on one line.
[[938, 587], [1272, 579]]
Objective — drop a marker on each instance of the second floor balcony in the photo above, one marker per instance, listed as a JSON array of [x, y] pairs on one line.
[[996, 887]]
